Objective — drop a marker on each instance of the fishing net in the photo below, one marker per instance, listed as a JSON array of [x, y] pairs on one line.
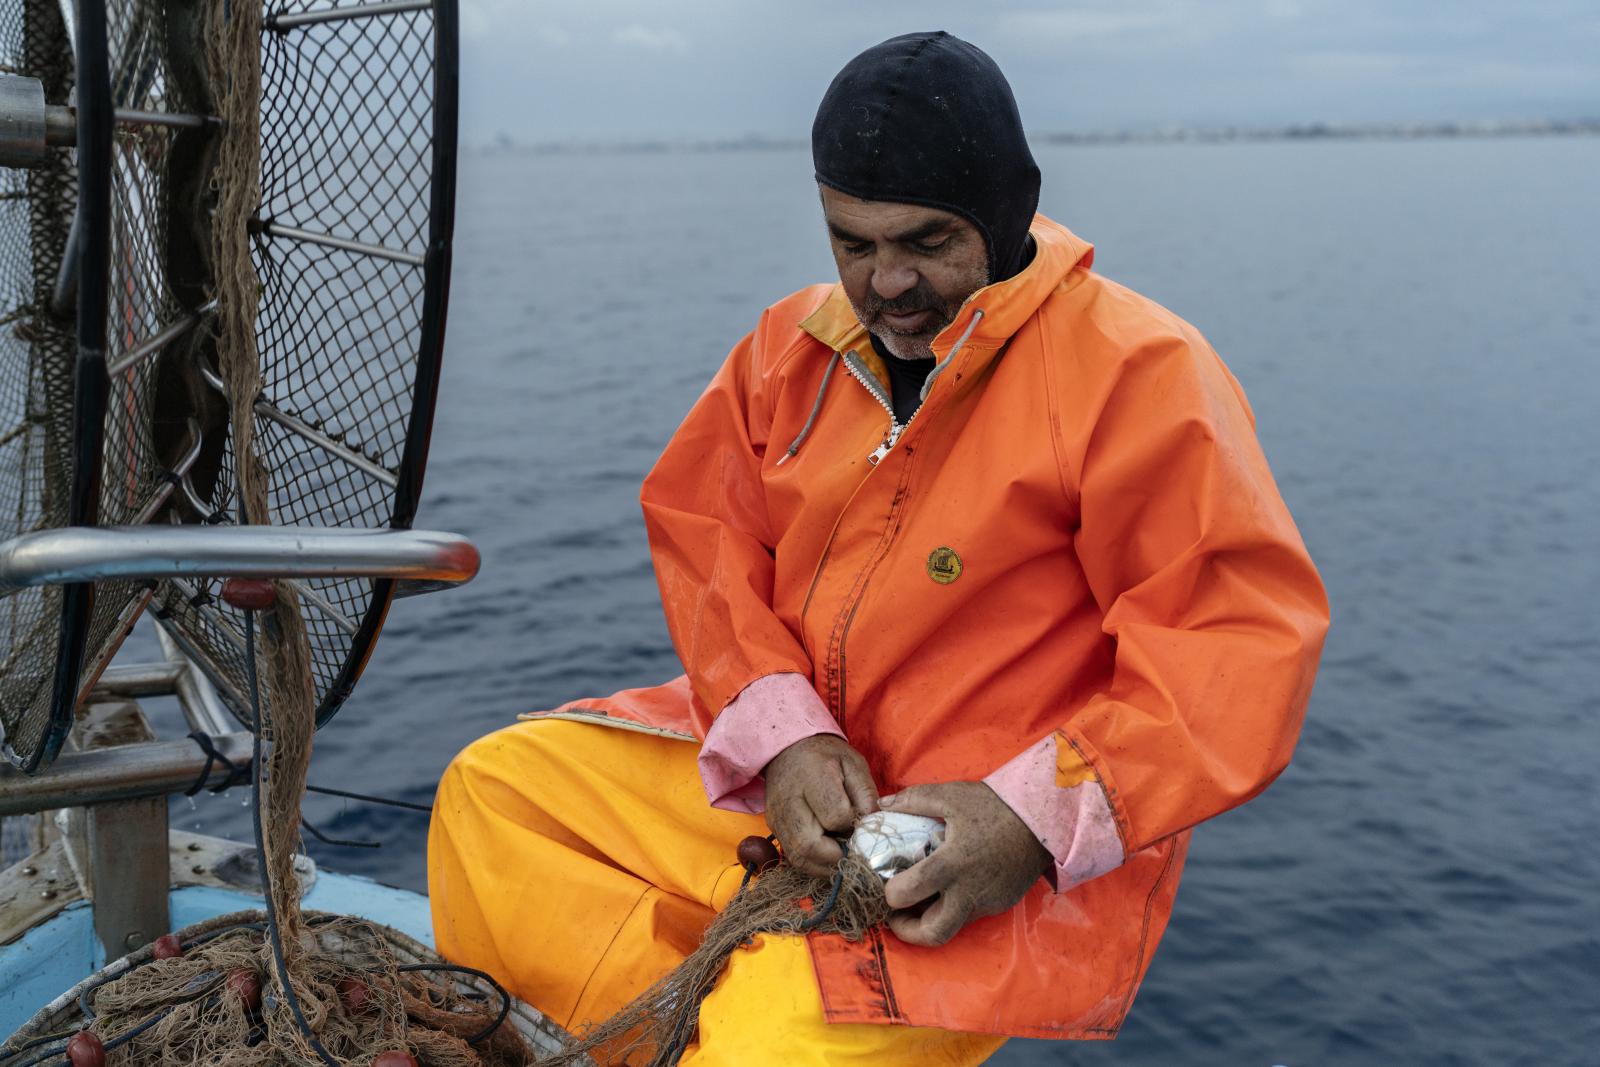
[[124, 420], [369, 988], [376, 975], [658, 1025], [356, 144], [37, 352]]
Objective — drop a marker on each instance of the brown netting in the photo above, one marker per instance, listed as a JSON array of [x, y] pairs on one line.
[[348, 126], [365, 987], [37, 350], [660, 1023], [356, 997]]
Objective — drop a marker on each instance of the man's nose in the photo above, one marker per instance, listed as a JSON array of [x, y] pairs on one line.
[[891, 279]]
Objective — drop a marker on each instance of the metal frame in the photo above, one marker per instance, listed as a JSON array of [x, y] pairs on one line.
[[96, 118], [430, 347], [344, 244], [109, 775], [116, 834], [267, 409], [73, 555], [91, 384], [289, 21], [159, 340], [30, 125]]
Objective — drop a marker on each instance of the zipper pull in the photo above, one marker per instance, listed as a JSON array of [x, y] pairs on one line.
[[888, 443]]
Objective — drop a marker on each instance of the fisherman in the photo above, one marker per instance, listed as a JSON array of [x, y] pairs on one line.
[[974, 533]]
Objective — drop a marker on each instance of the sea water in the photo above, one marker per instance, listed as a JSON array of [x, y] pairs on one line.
[[1417, 324]]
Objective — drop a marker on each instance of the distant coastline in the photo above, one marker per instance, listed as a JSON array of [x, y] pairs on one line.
[[1392, 131]]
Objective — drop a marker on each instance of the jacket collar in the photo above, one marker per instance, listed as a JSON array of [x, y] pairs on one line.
[[1005, 305]]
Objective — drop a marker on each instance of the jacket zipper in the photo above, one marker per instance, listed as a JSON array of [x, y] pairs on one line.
[[857, 369]]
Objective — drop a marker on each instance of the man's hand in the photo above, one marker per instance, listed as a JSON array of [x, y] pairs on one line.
[[816, 785], [988, 861]]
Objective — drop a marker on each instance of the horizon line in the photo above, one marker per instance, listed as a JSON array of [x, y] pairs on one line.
[[1397, 130]]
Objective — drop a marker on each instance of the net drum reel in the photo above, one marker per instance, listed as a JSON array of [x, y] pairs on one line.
[[117, 485]]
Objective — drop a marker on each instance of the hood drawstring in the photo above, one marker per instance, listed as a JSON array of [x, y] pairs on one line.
[[955, 349], [827, 376], [811, 420]]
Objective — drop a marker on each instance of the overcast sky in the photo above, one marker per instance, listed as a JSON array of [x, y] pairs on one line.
[[559, 70]]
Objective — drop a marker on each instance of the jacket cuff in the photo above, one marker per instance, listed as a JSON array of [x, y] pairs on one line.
[[1074, 823], [769, 715]]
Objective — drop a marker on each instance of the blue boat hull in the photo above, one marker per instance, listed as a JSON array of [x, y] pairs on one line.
[[58, 953]]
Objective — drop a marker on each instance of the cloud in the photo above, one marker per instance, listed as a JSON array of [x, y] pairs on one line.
[[1408, 70], [475, 22], [1074, 26], [1137, 27], [500, 20], [638, 35]]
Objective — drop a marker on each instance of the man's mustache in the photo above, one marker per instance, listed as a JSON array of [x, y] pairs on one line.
[[907, 303]]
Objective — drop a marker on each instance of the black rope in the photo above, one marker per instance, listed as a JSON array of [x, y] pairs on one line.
[[505, 998], [237, 775], [820, 915], [128, 1035], [669, 1054], [273, 934], [240, 775], [305, 824], [36, 1042], [47, 1057], [426, 809]]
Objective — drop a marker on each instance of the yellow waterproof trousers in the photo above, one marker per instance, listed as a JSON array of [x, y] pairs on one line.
[[578, 863]]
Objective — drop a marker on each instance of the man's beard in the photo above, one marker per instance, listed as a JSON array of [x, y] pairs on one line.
[[909, 345]]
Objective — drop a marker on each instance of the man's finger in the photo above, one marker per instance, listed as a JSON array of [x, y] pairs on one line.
[[859, 786], [807, 848], [920, 881], [920, 800], [829, 801], [816, 856], [938, 924]]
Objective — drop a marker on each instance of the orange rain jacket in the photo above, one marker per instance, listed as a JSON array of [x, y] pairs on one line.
[[1129, 579]]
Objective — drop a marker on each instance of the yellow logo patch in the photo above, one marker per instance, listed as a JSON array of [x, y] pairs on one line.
[[944, 566]]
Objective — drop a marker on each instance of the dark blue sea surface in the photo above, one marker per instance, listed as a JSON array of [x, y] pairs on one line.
[[1418, 327]]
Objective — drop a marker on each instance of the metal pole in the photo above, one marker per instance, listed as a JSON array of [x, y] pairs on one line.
[[277, 229], [127, 772], [355, 11], [268, 410], [156, 342], [196, 695], [128, 116], [97, 553]]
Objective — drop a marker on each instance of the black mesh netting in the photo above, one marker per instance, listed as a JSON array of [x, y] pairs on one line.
[[348, 131], [348, 151], [37, 350]]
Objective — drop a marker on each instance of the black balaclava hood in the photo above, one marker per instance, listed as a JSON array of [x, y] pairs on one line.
[[929, 119]]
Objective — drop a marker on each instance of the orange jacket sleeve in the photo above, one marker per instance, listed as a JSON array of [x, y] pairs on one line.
[[1216, 610], [711, 543]]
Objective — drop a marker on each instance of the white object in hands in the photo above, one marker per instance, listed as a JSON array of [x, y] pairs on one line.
[[891, 841]]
